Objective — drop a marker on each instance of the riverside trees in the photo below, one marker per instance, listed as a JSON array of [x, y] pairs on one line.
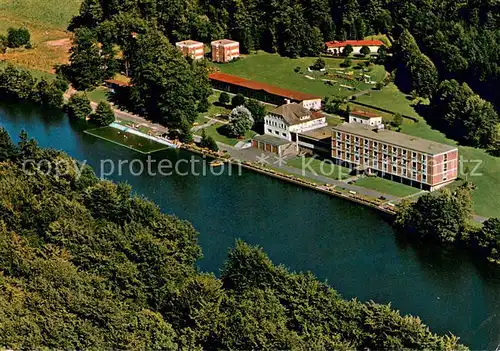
[[120, 274]]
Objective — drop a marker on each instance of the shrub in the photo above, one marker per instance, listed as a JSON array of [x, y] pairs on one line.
[[238, 100], [224, 98], [103, 115], [78, 107], [17, 37]]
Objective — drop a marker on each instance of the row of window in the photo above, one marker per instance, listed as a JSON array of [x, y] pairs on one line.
[[269, 131], [375, 154], [385, 147], [276, 124]]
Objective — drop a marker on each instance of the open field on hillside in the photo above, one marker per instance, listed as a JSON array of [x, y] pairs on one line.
[[47, 21], [486, 177], [279, 71]]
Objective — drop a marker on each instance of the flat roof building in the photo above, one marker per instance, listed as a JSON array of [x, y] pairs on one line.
[[396, 156], [225, 50], [191, 48], [364, 117]]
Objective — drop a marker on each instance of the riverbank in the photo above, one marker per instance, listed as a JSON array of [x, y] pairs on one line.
[[382, 206]]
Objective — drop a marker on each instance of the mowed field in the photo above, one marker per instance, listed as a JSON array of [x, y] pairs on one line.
[[47, 21], [487, 175], [276, 70]]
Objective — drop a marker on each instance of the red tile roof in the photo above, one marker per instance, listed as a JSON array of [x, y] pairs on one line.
[[364, 114], [341, 44], [271, 89]]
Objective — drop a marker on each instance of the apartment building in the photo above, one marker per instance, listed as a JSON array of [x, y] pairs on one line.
[[396, 156], [191, 48], [225, 50]]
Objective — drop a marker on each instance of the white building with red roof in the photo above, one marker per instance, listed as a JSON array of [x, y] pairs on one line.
[[337, 47], [364, 117]]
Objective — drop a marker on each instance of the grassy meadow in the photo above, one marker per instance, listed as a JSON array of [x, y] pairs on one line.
[[276, 70], [47, 21]]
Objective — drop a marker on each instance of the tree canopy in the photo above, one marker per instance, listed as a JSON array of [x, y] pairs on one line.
[[84, 264]]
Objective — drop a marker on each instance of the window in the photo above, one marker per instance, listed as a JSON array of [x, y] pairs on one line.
[[269, 130], [394, 169], [384, 147], [445, 176], [445, 167], [339, 154], [284, 134], [414, 155], [339, 136], [357, 158], [375, 145], [414, 165], [347, 137], [424, 178], [404, 152], [414, 175], [356, 140], [366, 142], [366, 161], [348, 156], [375, 154], [394, 159], [276, 132], [445, 157]]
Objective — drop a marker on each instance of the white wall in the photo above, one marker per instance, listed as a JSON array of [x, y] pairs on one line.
[[314, 104], [370, 122], [309, 125], [277, 127]]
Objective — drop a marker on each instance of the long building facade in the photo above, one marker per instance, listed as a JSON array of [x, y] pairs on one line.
[[396, 156]]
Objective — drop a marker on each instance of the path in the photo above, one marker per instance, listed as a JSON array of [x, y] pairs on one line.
[[123, 115], [254, 155]]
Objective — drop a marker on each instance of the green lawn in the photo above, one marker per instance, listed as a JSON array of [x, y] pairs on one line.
[[34, 72], [214, 133], [213, 110], [98, 94], [279, 71], [55, 13], [386, 186], [128, 140], [486, 177], [334, 121], [322, 168]]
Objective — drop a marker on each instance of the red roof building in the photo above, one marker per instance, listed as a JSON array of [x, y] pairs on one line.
[[337, 47], [263, 91]]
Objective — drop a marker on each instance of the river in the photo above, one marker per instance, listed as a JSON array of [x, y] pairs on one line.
[[350, 246]]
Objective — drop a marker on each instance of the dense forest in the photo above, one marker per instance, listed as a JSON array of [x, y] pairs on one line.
[[434, 42], [461, 37], [83, 264]]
